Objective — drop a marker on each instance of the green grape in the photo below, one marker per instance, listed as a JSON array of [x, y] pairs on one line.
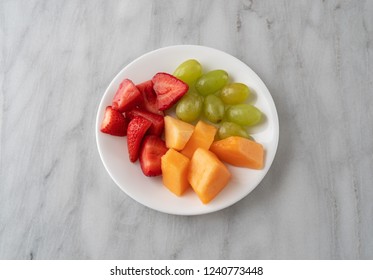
[[213, 108], [217, 93], [243, 114], [234, 93], [228, 129], [211, 82], [189, 107], [189, 71]]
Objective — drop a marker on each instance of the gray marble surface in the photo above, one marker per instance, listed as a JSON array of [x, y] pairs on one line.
[[58, 202]]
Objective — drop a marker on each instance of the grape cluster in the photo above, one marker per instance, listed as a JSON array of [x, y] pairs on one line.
[[212, 95]]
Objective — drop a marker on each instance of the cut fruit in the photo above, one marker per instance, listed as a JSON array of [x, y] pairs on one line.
[[175, 171], [168, 89], [152, 149], [177, 133], [207, 175], [202, 137], [136, 130], [157, 121], [126, 97], [114, 123], [239, 151], [149, 97]]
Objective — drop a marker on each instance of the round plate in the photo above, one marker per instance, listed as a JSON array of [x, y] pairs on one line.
[[149, 191]]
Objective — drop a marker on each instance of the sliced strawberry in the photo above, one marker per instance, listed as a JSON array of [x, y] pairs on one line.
[[149, 97], [126, 97], [136, 130], [114, 122], [169, 90], [157, 121], [152, 149]]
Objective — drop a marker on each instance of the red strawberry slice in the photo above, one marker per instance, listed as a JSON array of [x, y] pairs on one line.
[[126, 97], [149, 97], [157, 121], [152, 149], [169, 90], [136, 130], [114, 122]]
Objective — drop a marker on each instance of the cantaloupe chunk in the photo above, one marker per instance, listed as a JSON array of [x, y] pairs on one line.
[[207, 175], [174, 171], [239, 151], [202, 137], [177, 132]]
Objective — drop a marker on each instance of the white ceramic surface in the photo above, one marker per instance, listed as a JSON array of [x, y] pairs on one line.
[[150, 191]]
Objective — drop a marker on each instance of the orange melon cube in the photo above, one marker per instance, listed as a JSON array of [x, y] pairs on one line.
[[239, 151], [207, 175], [202, 137], [177, 132], [174, 171]]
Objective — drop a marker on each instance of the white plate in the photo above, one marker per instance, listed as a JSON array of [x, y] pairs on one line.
[[149, 191]]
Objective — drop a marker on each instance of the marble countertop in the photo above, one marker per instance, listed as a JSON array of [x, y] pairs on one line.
[[58, 202]]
